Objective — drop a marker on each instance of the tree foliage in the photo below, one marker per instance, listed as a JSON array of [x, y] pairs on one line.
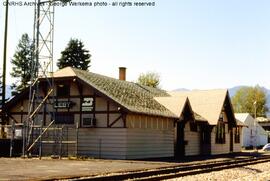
[[247, 99], [22, 63], [75, 56], [150, 79]]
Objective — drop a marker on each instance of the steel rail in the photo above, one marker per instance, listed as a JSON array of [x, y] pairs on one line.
[[175, 171]]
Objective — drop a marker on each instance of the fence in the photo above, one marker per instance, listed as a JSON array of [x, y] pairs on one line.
[[56, 140]]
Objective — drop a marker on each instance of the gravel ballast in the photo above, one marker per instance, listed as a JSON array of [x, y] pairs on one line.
[[258, 172]]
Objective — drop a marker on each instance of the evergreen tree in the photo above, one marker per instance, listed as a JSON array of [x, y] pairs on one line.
[[22, 62], [75, 56]]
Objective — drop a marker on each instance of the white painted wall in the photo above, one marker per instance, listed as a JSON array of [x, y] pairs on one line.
[[253, 134]]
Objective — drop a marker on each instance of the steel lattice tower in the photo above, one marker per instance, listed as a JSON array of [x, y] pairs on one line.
[[43, 35]]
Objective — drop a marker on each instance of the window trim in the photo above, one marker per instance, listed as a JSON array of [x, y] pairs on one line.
[[220, 132]]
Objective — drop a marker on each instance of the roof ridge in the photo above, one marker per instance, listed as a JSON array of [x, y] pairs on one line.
[[141, 86], [130, 95], [200, 90]]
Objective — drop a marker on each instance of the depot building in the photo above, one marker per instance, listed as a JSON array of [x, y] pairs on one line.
[[103, 117]]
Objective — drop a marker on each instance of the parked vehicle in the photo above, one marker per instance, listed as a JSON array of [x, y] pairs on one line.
[[266, 147]]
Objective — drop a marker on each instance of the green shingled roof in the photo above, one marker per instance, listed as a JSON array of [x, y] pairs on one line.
[[132, 96]]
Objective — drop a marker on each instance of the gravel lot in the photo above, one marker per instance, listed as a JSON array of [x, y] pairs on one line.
[[35, 169], [258, 172], [47, 168]]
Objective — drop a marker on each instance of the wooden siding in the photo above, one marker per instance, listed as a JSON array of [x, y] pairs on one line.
[[217, 148], [117, 143], [193, 141], [237, 146], [149, 137], [92, 142], [149, 143], [149, 122], [102, 142]]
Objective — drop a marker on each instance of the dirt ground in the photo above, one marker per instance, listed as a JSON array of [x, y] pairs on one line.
[[46, 168]]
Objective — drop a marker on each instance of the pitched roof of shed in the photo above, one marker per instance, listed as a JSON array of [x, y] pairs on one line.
[[207, 103], [132, 96], [241, 116], [240, 123]]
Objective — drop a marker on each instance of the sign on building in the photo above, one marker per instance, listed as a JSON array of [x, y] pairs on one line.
[[87, 104], [63, 104]]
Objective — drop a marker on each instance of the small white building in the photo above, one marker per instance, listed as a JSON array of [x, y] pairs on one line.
[[253, 133]]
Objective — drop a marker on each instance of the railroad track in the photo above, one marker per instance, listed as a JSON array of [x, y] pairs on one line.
[[178, 171]]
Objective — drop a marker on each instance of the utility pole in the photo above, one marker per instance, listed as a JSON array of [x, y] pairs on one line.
[[4, 70], [255, 125]]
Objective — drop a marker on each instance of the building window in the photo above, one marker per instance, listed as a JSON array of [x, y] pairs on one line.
[[220, 132], [88, 120], [64, 118], [63, 90], [237, 135]]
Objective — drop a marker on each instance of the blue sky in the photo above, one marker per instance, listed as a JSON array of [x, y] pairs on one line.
[[196, 44]]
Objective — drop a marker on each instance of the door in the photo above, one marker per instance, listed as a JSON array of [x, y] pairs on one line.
[[205, 139], [231, 140], [180, 140]]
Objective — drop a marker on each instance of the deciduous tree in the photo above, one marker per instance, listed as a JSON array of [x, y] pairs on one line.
[[150, 79], [249, 100]]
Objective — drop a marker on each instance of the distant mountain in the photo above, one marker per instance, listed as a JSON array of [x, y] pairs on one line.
[[181, 89], [233, 90]]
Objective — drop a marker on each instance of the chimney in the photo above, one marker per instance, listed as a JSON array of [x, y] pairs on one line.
[[122, 73]]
